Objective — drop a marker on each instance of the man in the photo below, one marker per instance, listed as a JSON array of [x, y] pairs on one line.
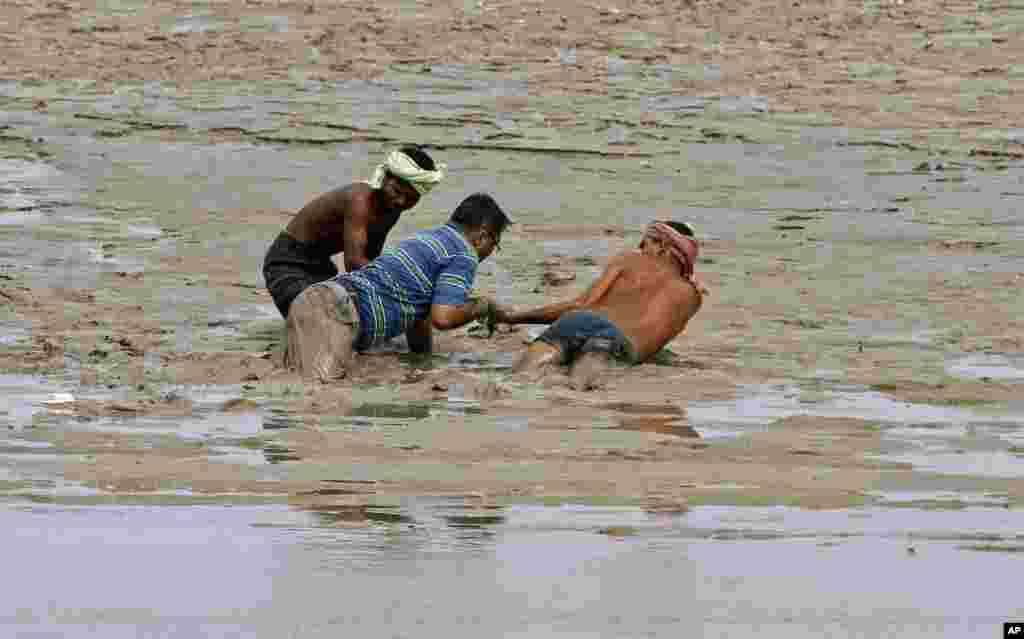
[[354, 220], [419, 285], [642, 300]]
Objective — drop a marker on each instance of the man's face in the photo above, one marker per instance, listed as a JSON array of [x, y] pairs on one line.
[[399, 195], [486, 242]]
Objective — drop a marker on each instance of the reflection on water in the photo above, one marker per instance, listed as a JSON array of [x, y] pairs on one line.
[[359, 514], [360, 570]]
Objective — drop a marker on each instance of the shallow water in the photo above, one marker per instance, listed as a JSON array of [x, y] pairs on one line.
[[995, 366], [939, 439], [851, 217], [533, 571], [761, 405]]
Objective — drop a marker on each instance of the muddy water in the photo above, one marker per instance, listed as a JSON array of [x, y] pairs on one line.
[[516, 571], [846, 265]]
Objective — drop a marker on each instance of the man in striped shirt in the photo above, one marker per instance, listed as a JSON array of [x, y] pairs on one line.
[[419, 285]]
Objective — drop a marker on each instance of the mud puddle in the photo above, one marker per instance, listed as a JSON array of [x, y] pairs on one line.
[[760, 405], [461, 566], [199, 412], [39, 414], [23, 396], [1001, 366], [984, 440], [30, 186], [938, 499], [12, 332]]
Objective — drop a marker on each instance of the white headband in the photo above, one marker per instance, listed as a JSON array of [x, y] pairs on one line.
[[402, 166]]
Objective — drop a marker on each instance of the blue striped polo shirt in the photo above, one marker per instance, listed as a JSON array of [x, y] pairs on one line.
[[437, 266]]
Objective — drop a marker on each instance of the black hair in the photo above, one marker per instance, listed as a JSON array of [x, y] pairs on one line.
[[682, 227], [478, 210], [419, 156]]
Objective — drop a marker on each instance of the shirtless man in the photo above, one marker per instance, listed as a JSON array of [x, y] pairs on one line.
[[354, 220], [642, 300]]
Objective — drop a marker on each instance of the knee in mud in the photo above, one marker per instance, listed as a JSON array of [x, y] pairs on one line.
[[612, 350]]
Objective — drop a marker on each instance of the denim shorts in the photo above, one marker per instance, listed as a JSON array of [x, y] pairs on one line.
[[579, 332]]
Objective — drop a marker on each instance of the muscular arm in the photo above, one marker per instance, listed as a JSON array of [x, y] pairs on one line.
[[356, 240], [551, 312]]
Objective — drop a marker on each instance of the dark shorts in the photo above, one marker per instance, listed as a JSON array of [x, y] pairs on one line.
[[579, 332], [290, 267]]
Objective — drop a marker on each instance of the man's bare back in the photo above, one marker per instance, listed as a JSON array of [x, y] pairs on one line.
[[648, 301], [642, 300], [324, 221]]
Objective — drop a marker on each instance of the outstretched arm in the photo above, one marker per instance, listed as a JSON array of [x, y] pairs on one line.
[[445, 317], [551, 312]]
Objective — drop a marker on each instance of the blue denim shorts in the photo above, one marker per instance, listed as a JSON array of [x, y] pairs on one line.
[[579, 332]]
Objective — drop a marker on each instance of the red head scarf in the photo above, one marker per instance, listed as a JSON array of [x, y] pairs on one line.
[[684, 249]]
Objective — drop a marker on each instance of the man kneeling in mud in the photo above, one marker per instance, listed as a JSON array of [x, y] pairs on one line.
[[418, 285], [354, 220], [642, 300]]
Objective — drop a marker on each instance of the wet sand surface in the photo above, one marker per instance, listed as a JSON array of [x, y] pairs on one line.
[[854, 176]]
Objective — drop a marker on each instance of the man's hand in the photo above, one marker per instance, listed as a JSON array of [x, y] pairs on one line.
[[446, 317], [490, 317]]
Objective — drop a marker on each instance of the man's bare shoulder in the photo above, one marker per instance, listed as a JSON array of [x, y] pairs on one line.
[[635, 261], [353, 202], [360, 200], [625, 259]]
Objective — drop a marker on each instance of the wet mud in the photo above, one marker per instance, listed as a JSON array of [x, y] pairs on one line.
[[787, 203], [852, 177]]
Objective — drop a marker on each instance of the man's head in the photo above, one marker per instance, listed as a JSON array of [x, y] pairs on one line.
[[671, 241], [681, 227], [407, 174], [482, 222]]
